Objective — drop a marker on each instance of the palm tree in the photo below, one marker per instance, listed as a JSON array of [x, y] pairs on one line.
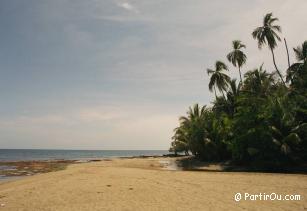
[[227, 106], [296, 71], [180, 143], [232, 95], [301, 52], [258, 82], [191, 133], [202, 134], [267, 34], [234, 89], [218, 78], [284, 128], [237, 56]]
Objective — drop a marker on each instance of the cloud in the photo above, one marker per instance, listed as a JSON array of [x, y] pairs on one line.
[[127, 6]]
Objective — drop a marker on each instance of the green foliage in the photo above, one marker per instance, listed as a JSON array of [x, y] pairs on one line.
[[193, 134], [258, 121]]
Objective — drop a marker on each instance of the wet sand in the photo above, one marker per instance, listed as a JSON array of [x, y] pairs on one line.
[[145, 184], [11, 169]]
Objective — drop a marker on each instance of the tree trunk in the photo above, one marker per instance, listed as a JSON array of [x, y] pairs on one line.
[[276, 67], [223, 95], [240, 74], [287, 52], [215, 92]]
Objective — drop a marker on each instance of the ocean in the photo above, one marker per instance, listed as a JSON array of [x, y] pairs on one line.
[[45, 154]]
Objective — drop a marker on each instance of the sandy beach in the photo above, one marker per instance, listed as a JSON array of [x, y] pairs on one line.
[[144, 184]]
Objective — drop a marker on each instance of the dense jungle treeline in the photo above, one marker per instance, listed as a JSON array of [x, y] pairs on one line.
[[259, 119]]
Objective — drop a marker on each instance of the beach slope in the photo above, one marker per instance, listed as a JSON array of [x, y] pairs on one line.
[[142, 184]]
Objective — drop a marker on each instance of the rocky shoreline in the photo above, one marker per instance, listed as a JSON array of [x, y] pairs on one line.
[[28, 168], [11, 169]]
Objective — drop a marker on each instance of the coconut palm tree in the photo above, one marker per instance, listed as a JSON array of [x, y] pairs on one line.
[[232, 95], [237, 56], [267, 34], [191, 133], [180, 143], [283, 125], [296, 71], [258, 82], [227, 106], [301, 52], [234, 89], [218, 79], [200, 133]]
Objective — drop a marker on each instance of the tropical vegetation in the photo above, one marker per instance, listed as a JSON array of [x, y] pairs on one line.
[[260, 120]]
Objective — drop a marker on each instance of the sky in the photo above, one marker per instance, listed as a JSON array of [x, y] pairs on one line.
[[117, 74]]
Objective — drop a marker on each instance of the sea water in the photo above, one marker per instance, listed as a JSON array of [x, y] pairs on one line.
[[46, 154]]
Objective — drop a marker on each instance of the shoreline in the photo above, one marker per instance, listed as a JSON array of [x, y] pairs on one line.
[[145, 184], [9, 170], [14, 170]]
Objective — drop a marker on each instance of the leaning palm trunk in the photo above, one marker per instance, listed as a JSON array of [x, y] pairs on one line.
[[224, 95], [287, 52], [215, 92], [276, 67]]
